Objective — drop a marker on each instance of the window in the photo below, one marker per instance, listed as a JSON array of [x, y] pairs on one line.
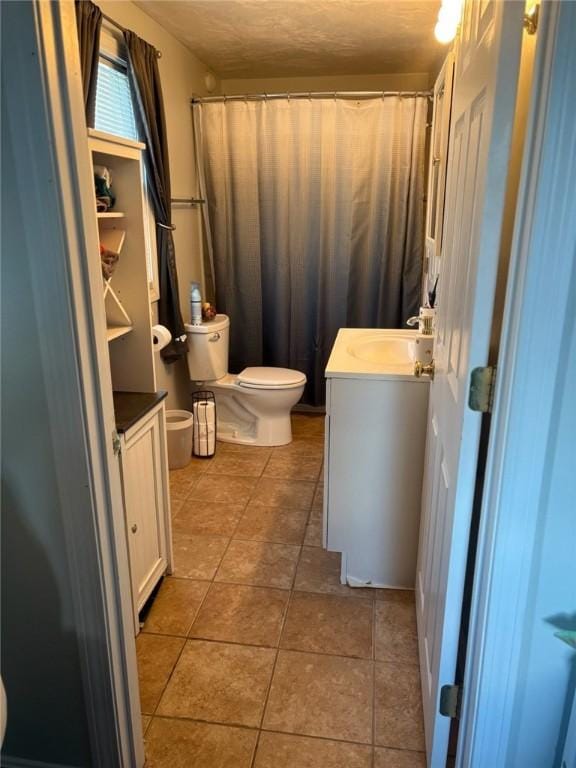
[[115, 114], [114, 108]]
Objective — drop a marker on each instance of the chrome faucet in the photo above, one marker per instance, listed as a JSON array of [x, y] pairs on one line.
[[424, 323]]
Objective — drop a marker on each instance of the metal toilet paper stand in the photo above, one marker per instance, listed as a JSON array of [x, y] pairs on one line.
[[204, 424]]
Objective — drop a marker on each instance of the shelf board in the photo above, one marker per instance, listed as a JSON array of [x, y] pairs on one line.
[[112, 139], [110, 214], [116, 332]]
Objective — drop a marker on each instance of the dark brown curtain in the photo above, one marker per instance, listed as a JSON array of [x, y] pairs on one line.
[[88, 24], [143, 67]]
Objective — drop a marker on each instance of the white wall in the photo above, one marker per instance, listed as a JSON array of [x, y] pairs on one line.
[[399, 82], [182, 76]]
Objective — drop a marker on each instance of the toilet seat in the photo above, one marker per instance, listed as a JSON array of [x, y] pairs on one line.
[[262, 377]]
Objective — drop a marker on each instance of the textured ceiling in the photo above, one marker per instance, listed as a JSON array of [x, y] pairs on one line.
[[283, 38]]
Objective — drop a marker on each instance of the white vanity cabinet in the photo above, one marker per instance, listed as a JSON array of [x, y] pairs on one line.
[[375, 442], [146, 502]]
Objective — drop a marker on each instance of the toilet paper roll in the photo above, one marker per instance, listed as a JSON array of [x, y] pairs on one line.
[[204, 441], [161, 337]]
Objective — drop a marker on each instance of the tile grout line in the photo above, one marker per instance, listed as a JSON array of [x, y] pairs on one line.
[[291, 592], [252, 728], [211, 581], [180, 654], [342, 656], [186, 639], [282, 625]]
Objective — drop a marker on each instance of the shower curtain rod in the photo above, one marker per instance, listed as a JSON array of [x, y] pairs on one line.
[[311, 95]]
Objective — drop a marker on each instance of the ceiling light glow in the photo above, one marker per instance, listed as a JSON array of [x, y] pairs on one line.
[[448, 20]]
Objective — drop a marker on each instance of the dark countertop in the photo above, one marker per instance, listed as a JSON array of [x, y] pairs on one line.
[[129, 407]]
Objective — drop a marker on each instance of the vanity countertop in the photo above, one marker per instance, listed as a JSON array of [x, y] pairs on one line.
[[373, 353], [130, 407]]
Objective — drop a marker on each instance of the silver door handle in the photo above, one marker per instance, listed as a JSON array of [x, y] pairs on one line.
[[214, 337]]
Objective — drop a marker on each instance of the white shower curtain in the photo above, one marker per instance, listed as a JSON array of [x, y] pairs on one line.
[[315, 219]]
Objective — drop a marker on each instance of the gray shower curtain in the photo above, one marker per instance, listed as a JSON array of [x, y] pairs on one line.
[[315, 219]]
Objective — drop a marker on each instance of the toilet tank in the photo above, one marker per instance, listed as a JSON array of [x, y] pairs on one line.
[[208, 349]]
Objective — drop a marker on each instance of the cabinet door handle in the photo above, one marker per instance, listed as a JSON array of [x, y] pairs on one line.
[[214, 337], [134, 528]]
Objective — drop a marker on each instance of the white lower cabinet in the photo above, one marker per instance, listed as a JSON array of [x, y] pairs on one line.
[[146, 504], [375, 438]]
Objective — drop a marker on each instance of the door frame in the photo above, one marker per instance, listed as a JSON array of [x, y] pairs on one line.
[[54, 193], [537, 309], [52, 135]]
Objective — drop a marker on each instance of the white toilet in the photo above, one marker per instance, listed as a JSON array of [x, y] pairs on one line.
[[252, 407]]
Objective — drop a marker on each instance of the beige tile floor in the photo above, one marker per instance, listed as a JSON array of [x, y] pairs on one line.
[[253, 655]]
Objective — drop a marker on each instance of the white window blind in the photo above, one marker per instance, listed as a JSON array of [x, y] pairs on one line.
[[114, 106]]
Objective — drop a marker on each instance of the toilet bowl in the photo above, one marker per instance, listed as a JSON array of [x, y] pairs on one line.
[[252, 407]]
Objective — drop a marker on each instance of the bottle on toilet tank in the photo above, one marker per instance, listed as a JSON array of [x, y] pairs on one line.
[[195, 304]]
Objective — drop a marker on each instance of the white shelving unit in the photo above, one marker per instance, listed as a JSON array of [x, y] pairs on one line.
[[126, 293], [139, 408]]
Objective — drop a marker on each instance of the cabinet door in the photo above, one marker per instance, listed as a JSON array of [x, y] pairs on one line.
[[144, 508]]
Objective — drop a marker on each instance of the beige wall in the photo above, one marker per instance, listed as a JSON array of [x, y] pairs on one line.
[[182, 76], [400, 82]]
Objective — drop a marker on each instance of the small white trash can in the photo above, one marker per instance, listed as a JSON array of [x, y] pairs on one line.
[[179, 427]]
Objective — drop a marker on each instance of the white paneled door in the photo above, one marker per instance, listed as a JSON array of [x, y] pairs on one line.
[[485, 79]]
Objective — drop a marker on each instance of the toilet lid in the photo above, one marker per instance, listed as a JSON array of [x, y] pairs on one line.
[[270, 377]]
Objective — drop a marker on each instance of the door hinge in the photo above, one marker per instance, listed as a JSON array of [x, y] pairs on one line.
[[530, 20], [116, 444], [481, 394], [450, 700]]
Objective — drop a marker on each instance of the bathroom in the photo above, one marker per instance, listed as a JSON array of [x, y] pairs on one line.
[[310, 212]]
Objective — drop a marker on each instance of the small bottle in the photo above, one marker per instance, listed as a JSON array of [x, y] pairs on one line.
[[195, 304]]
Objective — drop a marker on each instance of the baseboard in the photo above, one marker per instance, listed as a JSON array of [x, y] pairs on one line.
[[19, 762], [314, 410]]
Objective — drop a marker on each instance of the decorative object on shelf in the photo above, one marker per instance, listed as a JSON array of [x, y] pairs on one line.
[[208, 311], [117, 319], [103, 187], [108, 261], [204, 433]]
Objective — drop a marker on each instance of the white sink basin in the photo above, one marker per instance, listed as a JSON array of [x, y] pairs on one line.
[[377, 353], [387, 350]]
